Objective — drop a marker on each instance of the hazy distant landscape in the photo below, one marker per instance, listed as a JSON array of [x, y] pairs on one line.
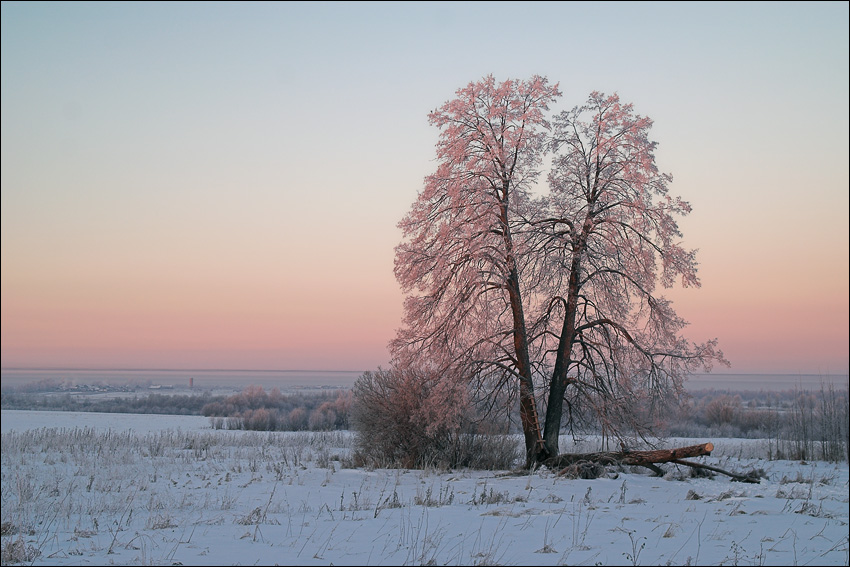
[[288, 379], [181, 379], [798, 417]]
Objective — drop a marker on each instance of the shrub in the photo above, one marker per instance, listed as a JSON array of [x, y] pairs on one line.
[[416, 419]]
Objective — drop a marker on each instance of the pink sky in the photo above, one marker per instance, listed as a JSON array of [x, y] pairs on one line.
[[220, 188]]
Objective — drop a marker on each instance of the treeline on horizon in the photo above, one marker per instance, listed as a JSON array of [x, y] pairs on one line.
[[797, 424], [252, 408]]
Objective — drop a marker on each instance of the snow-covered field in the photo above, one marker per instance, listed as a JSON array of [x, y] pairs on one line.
[[117, 489]]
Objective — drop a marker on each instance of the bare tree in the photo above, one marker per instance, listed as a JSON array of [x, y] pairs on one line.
[[508, 290], [611, 237], [460, 253]]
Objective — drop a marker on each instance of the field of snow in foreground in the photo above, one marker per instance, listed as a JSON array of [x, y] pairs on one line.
[[116, 489]]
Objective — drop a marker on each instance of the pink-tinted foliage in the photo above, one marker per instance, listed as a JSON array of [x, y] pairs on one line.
[[612, 225], [458, 249], [462, 252], [560, 289], [407, 416]]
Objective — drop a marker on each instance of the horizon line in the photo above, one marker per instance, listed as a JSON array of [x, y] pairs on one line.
[[128, 369]]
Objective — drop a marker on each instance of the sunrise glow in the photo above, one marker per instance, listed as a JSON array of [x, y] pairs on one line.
[[216, 185]]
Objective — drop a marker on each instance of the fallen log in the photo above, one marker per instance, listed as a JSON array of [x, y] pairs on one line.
[[626, 457], [666, 455], [591, 465]]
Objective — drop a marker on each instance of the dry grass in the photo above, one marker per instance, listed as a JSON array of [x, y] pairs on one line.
[[85, 495]]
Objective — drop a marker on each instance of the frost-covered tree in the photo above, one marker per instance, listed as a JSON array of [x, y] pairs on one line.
[[614, 344], [510, 290], [461, 261]]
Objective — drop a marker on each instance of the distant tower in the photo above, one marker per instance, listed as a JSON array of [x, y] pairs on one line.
[[191, 383]]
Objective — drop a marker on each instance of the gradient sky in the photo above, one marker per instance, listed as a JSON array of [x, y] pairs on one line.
[[217, 185]]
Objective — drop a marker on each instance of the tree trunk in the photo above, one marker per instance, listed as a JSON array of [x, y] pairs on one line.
[[558, 386], [527, 404], [535, 450]]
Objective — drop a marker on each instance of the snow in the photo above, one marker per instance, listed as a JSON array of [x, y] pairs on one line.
[[118, 489]]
